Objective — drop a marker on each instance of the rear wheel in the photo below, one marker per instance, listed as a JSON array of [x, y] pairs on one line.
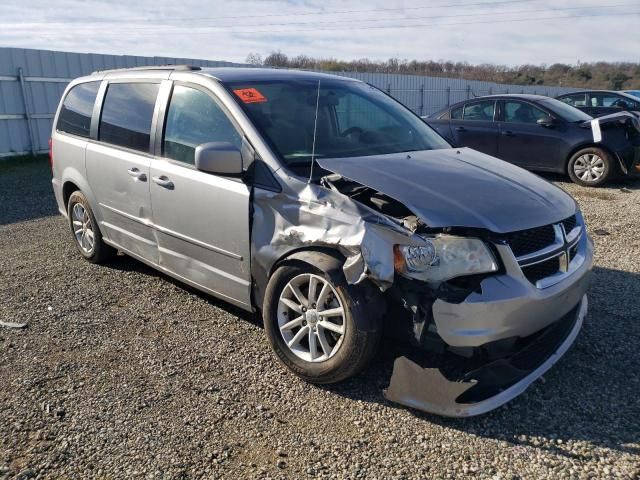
[[87, 235], [591, 167], [311, 323]]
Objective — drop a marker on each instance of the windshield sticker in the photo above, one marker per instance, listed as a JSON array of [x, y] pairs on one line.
[[250, 95]]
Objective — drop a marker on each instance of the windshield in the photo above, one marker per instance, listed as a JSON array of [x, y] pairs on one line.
[[353, 120], [635, 93], [564, 111]]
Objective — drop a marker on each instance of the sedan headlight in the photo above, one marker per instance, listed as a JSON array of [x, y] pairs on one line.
[[444, 257]]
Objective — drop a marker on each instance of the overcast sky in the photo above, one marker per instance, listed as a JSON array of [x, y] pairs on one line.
[[483, 31]]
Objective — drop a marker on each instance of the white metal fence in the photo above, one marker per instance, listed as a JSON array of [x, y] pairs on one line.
[[32, 82]]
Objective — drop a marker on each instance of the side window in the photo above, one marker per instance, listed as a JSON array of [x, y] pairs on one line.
[[456, 113], [195, 118], [520, 112], [127, 113], [75, 114], [576, 100], [606, 100], [480, 111]]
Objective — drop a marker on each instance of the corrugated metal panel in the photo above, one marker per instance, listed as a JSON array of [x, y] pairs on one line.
[[47, 73], [46, 76]]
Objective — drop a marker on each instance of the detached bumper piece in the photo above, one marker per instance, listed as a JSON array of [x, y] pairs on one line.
[[488, 386]]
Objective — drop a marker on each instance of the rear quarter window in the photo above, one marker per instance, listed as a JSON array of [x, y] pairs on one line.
[[75, 114], [127, 113]]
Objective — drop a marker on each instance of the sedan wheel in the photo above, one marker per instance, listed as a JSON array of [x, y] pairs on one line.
[[311, 318], [589, 167]]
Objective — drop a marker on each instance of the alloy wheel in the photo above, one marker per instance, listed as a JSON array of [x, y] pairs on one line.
[[311, 318], [83, 228]]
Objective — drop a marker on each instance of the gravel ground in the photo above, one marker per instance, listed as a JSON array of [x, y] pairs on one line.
[[123, 373]]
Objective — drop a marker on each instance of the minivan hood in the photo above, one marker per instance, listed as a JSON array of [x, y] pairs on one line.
[[459, 188]]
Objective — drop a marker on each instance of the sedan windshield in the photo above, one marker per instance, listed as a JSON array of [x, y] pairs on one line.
[[564, 111], [352, 119]]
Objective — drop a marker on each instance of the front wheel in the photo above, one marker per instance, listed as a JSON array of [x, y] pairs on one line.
[[311, 320], [591, 167]]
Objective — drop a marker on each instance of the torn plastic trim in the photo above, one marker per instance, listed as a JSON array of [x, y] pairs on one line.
[[627, 119], [426, 389]]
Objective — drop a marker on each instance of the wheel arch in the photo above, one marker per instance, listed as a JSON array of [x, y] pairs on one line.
[[73, 180], [366, 313], [68, 188], [591, 145]]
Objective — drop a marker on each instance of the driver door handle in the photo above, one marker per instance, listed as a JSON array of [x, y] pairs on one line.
[[508, 133], [163, 182], [137, 174], [461, 129]]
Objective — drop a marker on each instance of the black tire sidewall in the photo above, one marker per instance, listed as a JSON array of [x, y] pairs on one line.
[[345, 362], [608, 167]]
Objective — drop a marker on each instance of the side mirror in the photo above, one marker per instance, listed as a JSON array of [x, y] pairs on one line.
[[547, 121], [222, 158]]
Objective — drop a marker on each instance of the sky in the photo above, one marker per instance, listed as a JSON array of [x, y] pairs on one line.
[[509, 32]]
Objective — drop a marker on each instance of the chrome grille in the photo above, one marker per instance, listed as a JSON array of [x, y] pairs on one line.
[[546, 251]]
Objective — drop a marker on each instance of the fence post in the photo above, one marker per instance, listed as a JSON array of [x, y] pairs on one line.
[[448, 96], [389, 88], [422, 99], [468, 92], [490, 90], [27, 111]]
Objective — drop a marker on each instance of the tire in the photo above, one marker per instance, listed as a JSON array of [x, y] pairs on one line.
[[83, 227], [346, 353], [591, 167]]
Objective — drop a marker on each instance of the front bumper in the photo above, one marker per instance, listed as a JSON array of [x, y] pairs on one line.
[[509, 305], [499, 338], [427, 389]]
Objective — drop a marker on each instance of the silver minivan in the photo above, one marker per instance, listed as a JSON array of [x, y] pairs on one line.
[[336, 213]]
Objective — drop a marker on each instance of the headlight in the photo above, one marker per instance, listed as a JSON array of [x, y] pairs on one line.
[[444, 257]]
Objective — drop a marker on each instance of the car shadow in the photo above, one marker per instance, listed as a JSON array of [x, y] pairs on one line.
[[124, 263], [25, 189], [587, 396]]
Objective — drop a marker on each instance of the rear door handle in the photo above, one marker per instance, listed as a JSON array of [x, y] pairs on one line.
[[136, 173], [508, 133], [163, 182], [461, 129]]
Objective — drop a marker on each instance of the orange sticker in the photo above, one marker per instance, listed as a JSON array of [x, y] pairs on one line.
[[250, 95]]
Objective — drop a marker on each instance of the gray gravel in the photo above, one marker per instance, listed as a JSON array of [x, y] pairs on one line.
[[123, 373]]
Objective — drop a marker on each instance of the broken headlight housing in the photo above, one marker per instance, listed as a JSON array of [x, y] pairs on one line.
[[444, 257]]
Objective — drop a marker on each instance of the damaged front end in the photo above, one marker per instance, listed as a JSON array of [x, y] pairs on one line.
[[491, 300], [491, 377]]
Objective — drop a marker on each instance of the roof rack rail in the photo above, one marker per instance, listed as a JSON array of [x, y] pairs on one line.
[[152, 67]]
